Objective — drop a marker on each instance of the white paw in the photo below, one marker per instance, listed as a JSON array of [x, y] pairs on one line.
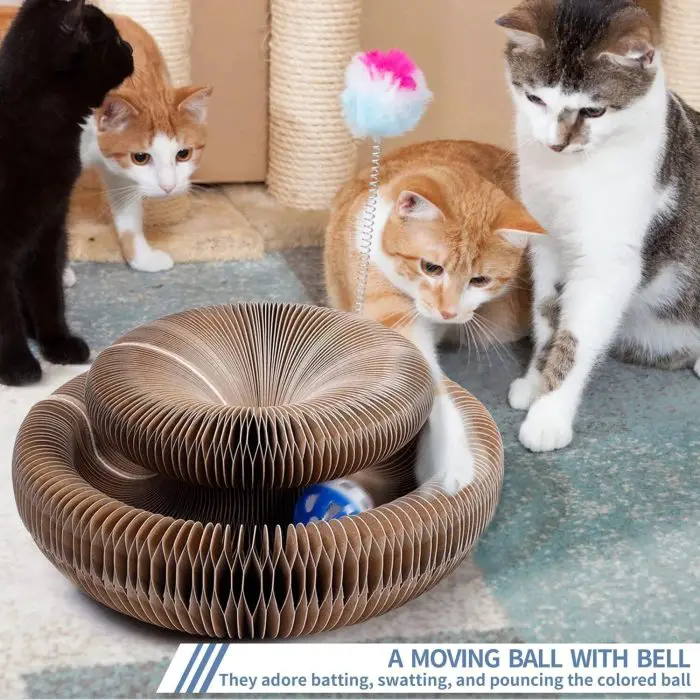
[[547, 427], [523, 392], [697, 367], [444, 455], [152, 261], [69, 278]]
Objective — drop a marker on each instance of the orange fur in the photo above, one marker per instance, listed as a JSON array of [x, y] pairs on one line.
[[154, 106], [7, 16], [473, 186]]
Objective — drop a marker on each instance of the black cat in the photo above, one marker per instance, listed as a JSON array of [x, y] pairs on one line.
[[58, 61]]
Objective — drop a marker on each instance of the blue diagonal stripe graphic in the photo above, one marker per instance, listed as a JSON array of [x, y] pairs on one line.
[[188, 668], [201, 667], [215, 667]]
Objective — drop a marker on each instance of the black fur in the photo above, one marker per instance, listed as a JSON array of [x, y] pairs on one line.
[[58, 61]]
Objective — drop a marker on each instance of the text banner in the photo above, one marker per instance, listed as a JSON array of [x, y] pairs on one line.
[[285, 668]]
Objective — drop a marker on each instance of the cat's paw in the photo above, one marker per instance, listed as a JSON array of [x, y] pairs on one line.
[[444, 455], [20, 369], [547, 427], [697, 367], [524, 392], [152, 261], [68, 350], [69, 278]]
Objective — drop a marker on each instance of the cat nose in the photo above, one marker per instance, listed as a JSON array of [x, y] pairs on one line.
[[167, 188], [557, 147], [448, 315]]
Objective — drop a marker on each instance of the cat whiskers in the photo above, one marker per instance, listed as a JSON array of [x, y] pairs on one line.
[[406, 319], [125, 196], [489, 331], [468, 332], [196, 188]]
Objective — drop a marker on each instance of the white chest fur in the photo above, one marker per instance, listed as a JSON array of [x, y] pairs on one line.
[[594, 203]]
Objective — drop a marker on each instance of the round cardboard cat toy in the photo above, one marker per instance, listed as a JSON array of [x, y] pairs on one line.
[[165, 482]]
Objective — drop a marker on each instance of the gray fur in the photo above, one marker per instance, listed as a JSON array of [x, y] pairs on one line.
[[574, 33], [674, 236], [560, 360]]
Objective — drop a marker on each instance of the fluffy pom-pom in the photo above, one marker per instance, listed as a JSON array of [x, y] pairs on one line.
[[385, 94]]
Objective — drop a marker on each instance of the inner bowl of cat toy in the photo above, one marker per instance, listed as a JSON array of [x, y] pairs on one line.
[[259, 395], [227, 563]]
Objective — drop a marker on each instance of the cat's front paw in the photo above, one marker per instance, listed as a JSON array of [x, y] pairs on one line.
[[68, 350], [547, 427], [69, 278], [444, 455], [152, 261], [524, 392], [19, 369]]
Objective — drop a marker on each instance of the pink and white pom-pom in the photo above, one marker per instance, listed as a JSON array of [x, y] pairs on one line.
[[386, 94]]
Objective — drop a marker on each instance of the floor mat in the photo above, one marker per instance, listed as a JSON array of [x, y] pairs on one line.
[[596, 543]]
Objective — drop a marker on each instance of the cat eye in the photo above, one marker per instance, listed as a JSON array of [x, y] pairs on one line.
[[593, 112], [481, 281], [184, 155], [431, 269], [141, 158], [535, 100]]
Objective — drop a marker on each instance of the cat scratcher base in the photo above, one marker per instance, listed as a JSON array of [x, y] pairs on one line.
[[226, 562], [211, 229], [231, 222]]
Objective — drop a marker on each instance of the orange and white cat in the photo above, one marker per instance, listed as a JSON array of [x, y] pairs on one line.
[[447, 249], [146, 140]]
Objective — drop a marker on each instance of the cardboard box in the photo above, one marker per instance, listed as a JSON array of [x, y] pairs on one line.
[[455, 42], [460, 49], [229, 51]]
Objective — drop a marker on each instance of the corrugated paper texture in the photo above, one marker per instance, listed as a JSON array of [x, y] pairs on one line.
[[215, 553]]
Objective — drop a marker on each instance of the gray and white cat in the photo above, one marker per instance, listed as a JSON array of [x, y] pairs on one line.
[[610, 166]]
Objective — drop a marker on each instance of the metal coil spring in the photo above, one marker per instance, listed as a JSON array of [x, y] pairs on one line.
[[370, 217]]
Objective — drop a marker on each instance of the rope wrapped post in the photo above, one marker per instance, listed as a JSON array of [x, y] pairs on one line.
[[311, 152], [169, 22], [680, 21]]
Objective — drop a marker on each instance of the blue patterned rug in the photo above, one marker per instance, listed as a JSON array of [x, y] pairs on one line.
[[598, 543]]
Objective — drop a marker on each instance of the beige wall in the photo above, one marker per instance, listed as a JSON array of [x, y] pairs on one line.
[[229, 52], [459, 48]]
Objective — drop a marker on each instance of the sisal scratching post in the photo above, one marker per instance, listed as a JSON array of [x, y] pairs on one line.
[[311, 152], [680, 21], [169, 23]]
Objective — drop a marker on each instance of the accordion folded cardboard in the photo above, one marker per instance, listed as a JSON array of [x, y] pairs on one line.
[[163, 483]]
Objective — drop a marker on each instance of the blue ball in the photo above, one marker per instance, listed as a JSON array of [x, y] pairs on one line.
[[331, 500]]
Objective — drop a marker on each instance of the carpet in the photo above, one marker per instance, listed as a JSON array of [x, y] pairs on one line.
[[597, 543]]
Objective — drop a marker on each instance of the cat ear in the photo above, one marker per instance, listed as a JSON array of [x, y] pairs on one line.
[[194, 101], [634, 42], [411, 205], [73, 16], [115, 113], [515, 225], [520, 28]]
